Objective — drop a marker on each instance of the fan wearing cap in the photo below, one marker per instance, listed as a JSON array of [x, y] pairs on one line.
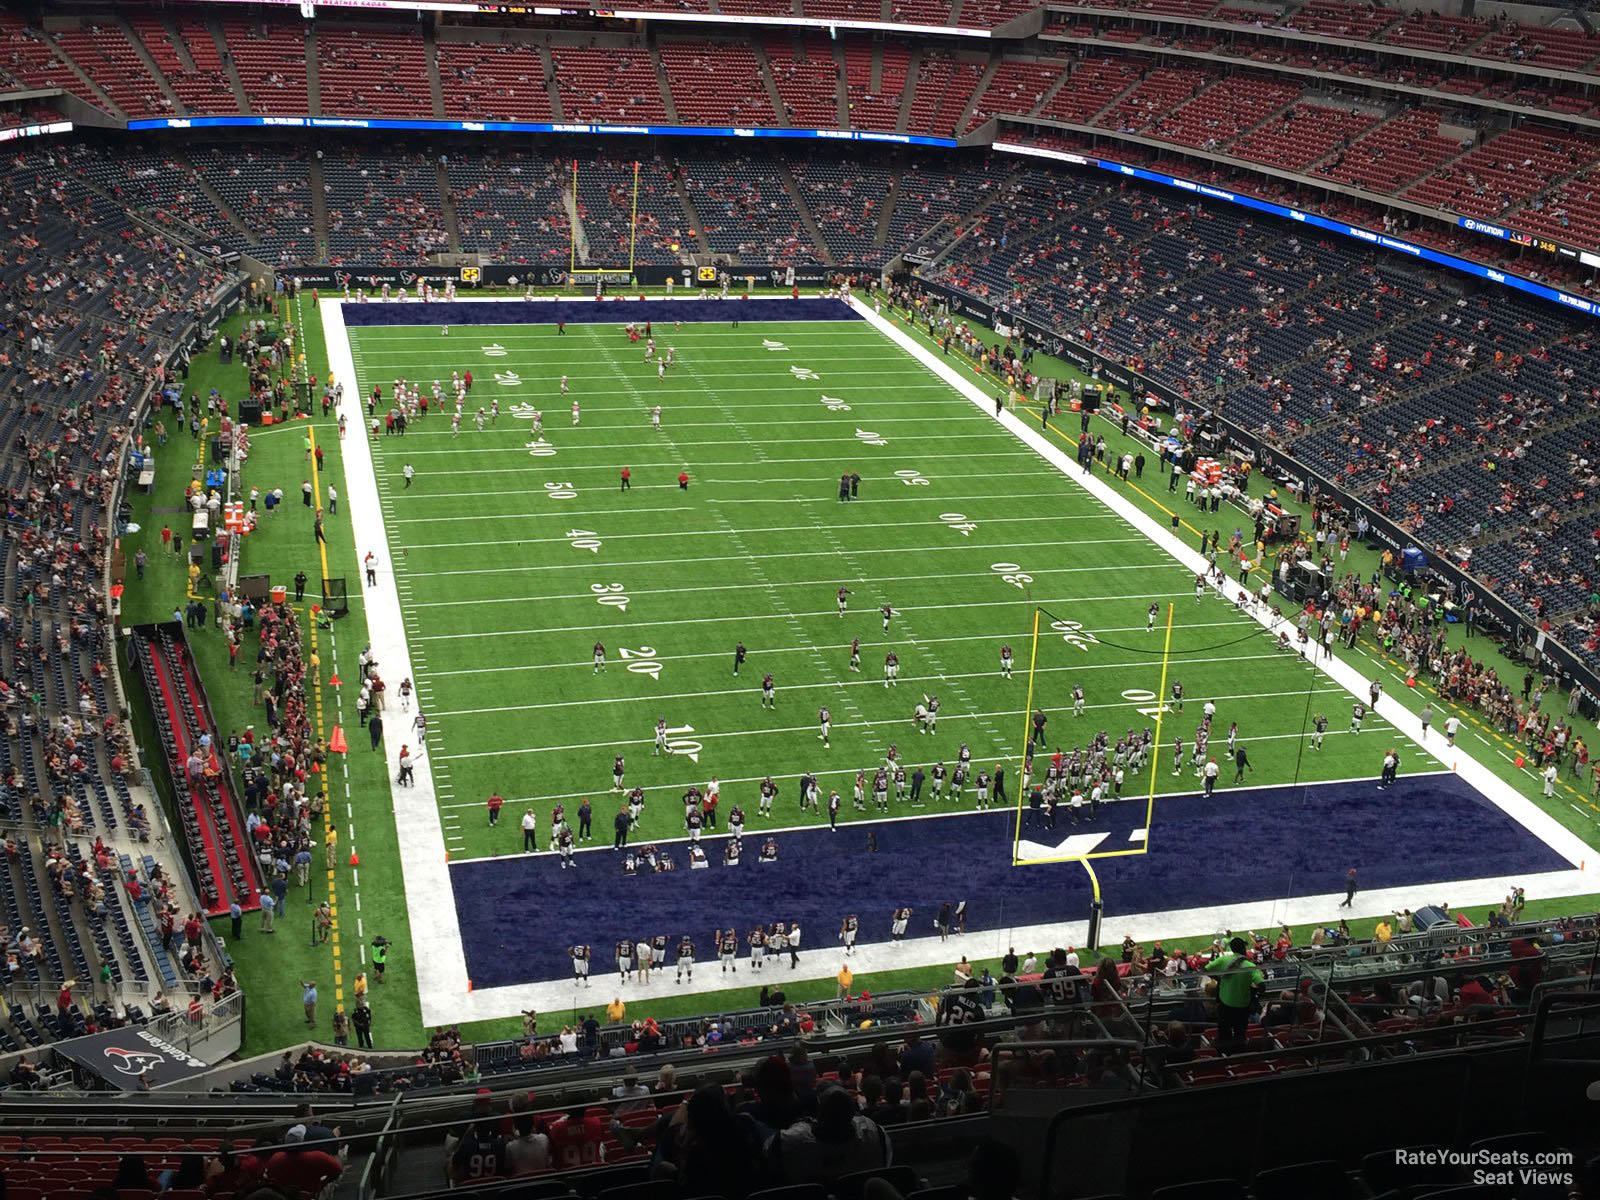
[[299, 1169]]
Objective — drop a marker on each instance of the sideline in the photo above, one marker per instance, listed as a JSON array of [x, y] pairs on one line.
[[441, 965]]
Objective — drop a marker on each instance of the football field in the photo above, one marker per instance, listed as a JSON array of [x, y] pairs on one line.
[[517, 548]]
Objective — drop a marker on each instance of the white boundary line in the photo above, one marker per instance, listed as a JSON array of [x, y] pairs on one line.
[[436, 947], [443, 986]]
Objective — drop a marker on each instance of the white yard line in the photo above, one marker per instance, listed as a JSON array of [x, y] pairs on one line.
[[791, 583], [931, 682], [951, 718], [707, 619], [766, 651]]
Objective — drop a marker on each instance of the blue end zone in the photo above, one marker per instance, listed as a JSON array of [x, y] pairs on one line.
[[587, 312], [1241, 846]]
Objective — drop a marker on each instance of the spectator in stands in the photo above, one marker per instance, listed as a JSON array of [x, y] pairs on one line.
[[917, 1055], [189, 1173], [529, 1150], [707, 1148], [775, 1106], [634, 1096], [131, 1173], [576, 1139], [299, 1169], [1237, 980], [224, 1171], [918, 1104], [837, 1141]]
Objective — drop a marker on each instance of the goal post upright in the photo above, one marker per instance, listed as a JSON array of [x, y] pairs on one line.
[[1027, 719], [1161, 708], [633, 217]]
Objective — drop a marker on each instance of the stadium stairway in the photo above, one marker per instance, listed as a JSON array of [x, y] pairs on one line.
[[807, 219], [150, 64]]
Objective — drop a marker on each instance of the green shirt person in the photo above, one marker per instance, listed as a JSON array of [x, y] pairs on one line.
[[1237, 978]]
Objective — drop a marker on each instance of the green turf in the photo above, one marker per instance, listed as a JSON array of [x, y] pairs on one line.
[[502, 608]]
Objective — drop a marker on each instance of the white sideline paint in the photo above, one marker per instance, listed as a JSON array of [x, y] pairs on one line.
[[442, 982], [440, 961]]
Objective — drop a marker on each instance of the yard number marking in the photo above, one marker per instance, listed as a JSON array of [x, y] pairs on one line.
[[584, 539], [541, 449], [1144, 696], [868, 438], [642, 662], [508, 379], [913, 479], [494, 350], [769, 344], [560, 491], [610, 594], [1074, 634], [959, 522], [1012, 574], [677, 744], [834, 404], [805, 373]]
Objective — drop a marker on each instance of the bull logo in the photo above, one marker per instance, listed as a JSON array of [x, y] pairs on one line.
[[132, 1062]]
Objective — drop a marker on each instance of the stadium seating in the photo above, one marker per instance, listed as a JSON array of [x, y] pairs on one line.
[[192, 66], [270, 192], [875, 107], [106, 55], [807, 77], [509, 207], [361, 71], [383, 209], [715, 83], [493, 81], [270, 58], [944, 85], [745, 208], [846, 200], [608, 83]]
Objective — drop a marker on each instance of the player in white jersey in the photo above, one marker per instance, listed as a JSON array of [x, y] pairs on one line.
[[455, 424], [655, 417], [575, 413], [661, 369], [482, 416], [1005, 662], [563, 385], [1077, 701], [538, 421]]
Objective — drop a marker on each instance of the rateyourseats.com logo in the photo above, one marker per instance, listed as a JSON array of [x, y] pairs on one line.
[[1507, 1168]]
